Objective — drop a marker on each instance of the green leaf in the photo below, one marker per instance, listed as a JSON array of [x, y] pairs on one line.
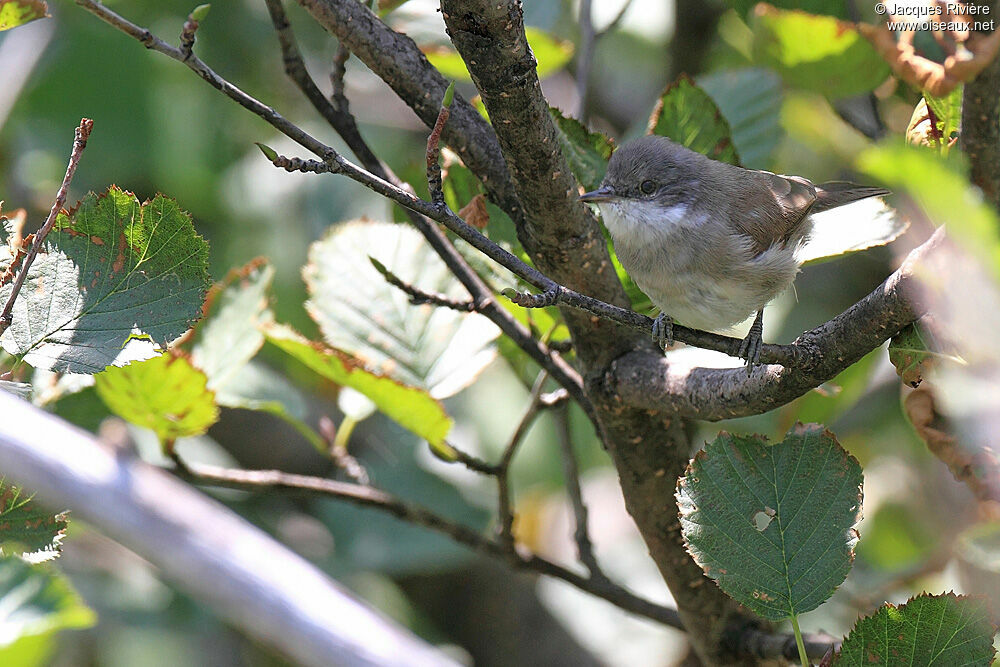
[[948, 629], [587, 152], [832, 7], [773, 525], [551, 54], [34, 533], [433, 348], [18, 12], [411, 407], [818, 53], [111, 276], [750, 100], [228, 335], [940, 187], [35, 602], [910, 355], [686, 114], [165, 394], [947, 111]]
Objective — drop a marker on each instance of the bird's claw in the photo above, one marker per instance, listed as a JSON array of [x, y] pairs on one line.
[[663, 331], [751, 346]]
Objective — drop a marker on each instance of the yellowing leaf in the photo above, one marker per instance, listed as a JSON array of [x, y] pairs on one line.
[[165, 394], [18, 12], [412, 408]]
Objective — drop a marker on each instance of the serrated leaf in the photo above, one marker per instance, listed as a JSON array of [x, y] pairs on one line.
[[36, 601], [433, 348], [18, 12], [689, 116], [947, 630], [587, 152], [165, 394], [818, 53], [412, 407], [860, 225], [910, 355], [228, 335], [113, 277], [750, 100], [35, 533], [773, 525], [551, 54]]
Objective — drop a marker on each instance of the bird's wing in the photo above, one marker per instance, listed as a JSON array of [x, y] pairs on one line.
[[773, 211]]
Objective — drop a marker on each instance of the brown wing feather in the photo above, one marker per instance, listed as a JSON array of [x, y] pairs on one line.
[[772, 211]]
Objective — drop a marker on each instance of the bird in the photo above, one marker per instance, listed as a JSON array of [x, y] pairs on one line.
[[710, 243]]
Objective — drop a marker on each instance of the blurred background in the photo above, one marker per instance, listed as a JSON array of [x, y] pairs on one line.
[[158, 128]]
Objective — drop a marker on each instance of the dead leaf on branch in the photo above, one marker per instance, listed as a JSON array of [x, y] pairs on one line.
[[968, 54], [475, 212]]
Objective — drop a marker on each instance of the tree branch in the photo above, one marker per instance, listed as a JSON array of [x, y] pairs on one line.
[[650, 381], [208, 551], [335, 163], [366, 496], [980, 136], [80, 136]]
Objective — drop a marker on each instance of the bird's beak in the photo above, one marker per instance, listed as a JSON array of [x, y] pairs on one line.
[[603, 193]]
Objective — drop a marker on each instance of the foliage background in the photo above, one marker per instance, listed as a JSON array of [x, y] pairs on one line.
[[159, 129]]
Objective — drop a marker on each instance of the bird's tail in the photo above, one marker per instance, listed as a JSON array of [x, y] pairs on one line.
[[837, 193]]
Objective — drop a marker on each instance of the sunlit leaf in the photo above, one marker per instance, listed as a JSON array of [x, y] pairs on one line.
[[18, 12], [947, 111], [750, 100], [773, 524], [587, 152], [928, 630], [27, 530], [113, 278], [412, 407], [165, 394], [686, 114], [551, 53], [359, 312], [819, 53], [35, 602]]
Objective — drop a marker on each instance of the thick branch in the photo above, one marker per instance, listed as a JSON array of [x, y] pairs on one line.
[[398, 61], [651, 382], [207, 550], [981, 127]]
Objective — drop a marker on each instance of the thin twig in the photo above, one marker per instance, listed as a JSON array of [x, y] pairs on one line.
[[196, 16], [504, 500], [80, 137], [366, 496], [338, 98], [434, 150], [419, 296], [340, 455], [571, 473], [588, 43], [336, 112]]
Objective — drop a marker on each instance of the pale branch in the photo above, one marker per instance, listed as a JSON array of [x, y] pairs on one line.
[[335, 163], [651, 382], [80, 136], [216, 556], [505, 502], [366, 496]]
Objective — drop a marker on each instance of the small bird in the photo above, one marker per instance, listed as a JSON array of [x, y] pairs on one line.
[[710, 243]]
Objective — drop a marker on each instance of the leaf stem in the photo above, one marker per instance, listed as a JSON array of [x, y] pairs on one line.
[[344, 432], [803, 656]]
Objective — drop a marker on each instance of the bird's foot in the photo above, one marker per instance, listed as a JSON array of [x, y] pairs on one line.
[[663, 331], [751, 346]]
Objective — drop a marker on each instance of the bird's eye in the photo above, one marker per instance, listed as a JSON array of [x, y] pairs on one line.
[[647, 187]]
